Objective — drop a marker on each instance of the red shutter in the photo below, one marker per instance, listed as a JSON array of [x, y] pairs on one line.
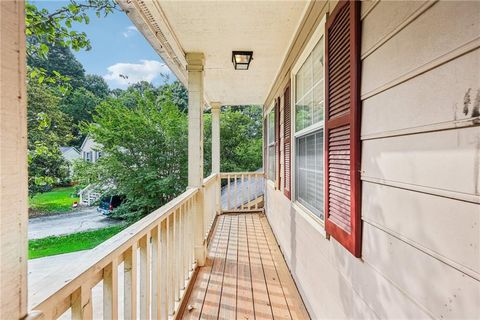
[[287, 147], [277, 141], [342, 127]]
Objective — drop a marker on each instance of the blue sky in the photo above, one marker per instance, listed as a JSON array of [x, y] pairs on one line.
[[117, 48]]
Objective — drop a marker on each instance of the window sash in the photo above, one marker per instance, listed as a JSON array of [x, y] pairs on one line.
[[308, 92], [309, 172]]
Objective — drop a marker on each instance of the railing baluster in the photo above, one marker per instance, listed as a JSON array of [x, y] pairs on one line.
[[181, 270], [250, 198], [235, 192], [255, 181], [82, 303], [171, 266], [164, 269], [176, 252], [228, 193], [156, 291], [130, 283], [192, 239], [110, 290], [145, 277], [242, 202]]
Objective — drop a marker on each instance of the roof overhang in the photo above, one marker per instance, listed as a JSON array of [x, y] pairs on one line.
[[216, 28]]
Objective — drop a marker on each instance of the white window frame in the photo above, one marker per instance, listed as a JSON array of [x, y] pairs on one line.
[[271, 110], [313, 219]]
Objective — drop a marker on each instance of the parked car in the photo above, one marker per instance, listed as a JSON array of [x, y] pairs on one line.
[[109, 203]]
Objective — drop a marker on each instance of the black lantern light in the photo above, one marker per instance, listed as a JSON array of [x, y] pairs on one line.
[[241, 59]]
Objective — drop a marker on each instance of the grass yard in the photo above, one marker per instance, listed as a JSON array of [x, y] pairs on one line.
[[70, 243], [55, 201]]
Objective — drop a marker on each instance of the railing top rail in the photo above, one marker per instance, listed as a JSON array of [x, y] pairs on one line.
[[72, 276], [258, 173], [210, 179]]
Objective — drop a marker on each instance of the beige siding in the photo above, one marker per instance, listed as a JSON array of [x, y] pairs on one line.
[[420, 172], [13, 163]]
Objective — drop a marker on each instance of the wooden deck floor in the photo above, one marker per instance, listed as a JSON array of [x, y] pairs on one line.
[[245, 276]]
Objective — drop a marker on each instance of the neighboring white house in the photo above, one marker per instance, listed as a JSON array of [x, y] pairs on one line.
[[70, 153], [90, 150]]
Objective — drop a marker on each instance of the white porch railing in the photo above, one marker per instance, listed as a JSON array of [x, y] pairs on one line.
[[242, 191], [154, 257]]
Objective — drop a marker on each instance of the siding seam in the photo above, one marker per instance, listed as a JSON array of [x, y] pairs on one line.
[[433, 127], [414, 15], [451, 55], [370, 9], [451, 263], [424, 189]]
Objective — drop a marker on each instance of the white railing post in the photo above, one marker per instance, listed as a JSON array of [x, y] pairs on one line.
[[195, 62], [216, 106]]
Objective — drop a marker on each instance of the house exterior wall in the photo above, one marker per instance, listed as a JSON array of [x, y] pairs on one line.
[[420, 171], [71, 155], [90, 146]]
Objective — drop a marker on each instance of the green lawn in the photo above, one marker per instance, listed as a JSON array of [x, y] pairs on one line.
[[57, 200], [70, 243]]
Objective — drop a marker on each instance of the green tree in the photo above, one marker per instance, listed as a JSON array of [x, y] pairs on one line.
[[240, 139], [145, 151], [52, 68], [96, 85], [59, 60], [46, 30], [80, 106], [48, 129], [177, 92]]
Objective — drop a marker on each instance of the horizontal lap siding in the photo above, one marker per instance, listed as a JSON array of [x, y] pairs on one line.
[[420, 153], [420, 170]]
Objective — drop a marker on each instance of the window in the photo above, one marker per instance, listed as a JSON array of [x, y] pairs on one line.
[[87, 156], [308, 99], [271, 144]]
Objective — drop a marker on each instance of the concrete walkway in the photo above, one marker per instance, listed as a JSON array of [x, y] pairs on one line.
[[66, 223]]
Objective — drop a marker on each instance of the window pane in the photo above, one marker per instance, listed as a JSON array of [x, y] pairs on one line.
[[309, 90], [271, 162], [271, 127], [309, 172]]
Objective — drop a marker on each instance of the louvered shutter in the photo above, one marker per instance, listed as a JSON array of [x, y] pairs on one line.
[[287, 146], [342, 134], [277, 141]]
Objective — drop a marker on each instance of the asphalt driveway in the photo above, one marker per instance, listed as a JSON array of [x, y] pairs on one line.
[[82, 220]]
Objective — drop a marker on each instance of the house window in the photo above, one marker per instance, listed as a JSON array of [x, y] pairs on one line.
[[271, 144], [99, 154], [88, 156], [309, 86]]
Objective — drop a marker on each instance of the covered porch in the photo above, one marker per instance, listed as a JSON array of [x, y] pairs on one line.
[[245, 276], [149, 270]]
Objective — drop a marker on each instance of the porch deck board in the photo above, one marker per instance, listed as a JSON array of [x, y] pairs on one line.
[[245, 276]]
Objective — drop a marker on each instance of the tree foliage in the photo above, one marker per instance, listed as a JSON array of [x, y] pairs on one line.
[[48, 129], [145, 150], [240, 139], [46, 30], [52, 70]]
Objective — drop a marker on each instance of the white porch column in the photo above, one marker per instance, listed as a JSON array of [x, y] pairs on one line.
[[195, 63], [215, 136], [13, 162]]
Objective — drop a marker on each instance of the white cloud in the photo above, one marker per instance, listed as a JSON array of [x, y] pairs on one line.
[[129, 31], [120, 75]]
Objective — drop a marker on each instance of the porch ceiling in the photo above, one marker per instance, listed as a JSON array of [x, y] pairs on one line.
[[217, 28]]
